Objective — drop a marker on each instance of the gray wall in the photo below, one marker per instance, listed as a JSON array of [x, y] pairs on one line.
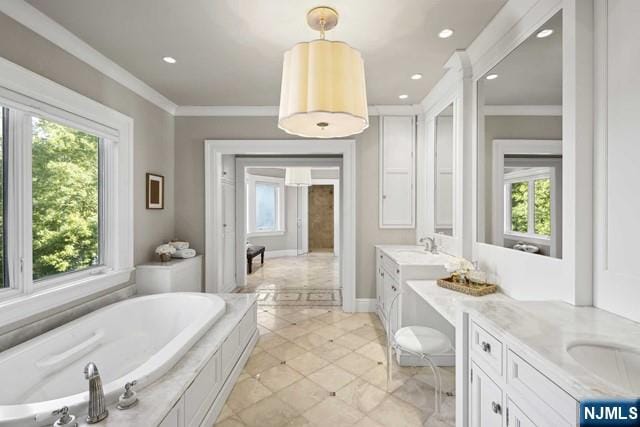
[[189, 165], [153, 127]]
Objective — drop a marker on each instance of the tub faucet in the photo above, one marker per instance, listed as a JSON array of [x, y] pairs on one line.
[[97, 407]]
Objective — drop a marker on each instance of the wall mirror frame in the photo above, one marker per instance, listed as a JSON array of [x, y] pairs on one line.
[[445, 99], [524, 275]]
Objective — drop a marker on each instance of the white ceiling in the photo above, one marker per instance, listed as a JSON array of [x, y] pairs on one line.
[[532, 73], [229, 52]]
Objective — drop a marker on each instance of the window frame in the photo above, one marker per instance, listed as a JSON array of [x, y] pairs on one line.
[[251, 181], [27, 94], [530, 177]]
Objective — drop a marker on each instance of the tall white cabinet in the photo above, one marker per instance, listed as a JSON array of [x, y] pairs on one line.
[[397, 171], [227, 180]]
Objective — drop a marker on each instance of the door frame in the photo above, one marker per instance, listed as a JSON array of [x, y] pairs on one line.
[[213, 151]]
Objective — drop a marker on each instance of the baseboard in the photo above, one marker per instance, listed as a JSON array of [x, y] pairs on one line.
[[365, 305], [278, 254]]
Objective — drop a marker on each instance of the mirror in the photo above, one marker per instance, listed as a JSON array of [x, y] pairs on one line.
[[520, 146], [444, 197]]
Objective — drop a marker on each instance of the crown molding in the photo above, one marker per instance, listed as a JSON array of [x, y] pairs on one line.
[[41, 24], [522, 110], [273, 110]]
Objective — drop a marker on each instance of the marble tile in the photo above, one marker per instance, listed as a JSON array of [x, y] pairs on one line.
[[361, 395], [286, 351], [310, 341], [226, 412], [245, 393], [260, 362], [332, 378], [367, 422], [418, 394], [374, 351], [351, 341], [333, 412], [269, 412], [356, 363], [368, 332], [393, 412], [303, 394], [307, 363], [378, 377], [292, 332], [331, 351], [279, 377], [330, 332], [270, 340], [230, 422]]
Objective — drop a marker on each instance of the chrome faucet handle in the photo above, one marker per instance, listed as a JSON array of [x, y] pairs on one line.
[[65, 419], [129, 398]]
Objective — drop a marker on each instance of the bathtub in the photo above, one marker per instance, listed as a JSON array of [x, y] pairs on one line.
[[136, 339]]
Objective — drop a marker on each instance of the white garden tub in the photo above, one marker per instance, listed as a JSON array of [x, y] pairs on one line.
[[136, 339]]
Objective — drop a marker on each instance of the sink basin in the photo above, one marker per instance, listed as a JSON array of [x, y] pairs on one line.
[[616, 364], [413, 251]]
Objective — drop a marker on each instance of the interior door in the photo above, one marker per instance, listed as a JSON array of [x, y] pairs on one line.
[[303, 220]]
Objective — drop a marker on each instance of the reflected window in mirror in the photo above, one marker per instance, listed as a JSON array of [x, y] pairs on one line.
[[520, 146], [444, 192]]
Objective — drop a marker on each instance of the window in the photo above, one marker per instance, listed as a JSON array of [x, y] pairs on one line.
[[265, 205], [65, 199], [528, 211]]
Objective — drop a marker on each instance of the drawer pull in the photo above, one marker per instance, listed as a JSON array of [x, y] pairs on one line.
[[486, 347], [496, 408]]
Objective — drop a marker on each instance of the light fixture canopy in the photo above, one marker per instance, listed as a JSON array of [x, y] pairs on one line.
[[323, 93], [297, 177]]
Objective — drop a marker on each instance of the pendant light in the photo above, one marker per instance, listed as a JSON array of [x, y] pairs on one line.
[[323, 92], [297, 177]]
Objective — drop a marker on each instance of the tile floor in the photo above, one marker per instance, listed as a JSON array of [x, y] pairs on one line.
[[323, 367], [317, 270]]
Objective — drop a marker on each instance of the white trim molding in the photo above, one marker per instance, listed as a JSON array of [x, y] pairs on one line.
[[523, 110], [214, 149], [366, 305], [273, 110], [41, 24]]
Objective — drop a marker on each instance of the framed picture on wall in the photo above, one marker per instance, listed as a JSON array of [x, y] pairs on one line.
[[155, 191]]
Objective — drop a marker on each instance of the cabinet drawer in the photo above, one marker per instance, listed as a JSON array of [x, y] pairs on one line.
[[229, 350], [390, 267], [516, 417], [538, 389], [486, 349], [202, 392]]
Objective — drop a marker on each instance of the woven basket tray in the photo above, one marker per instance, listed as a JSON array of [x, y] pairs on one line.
[[473, 289]]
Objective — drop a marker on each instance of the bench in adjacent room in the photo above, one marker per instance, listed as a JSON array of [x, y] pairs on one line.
[[252, 252]]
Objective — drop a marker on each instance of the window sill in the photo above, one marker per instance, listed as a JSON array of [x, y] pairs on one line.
[[266, 233], [15, 307], [528, 238]]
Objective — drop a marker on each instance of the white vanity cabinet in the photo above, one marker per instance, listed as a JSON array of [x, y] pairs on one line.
[[504, 389], [397, 172]]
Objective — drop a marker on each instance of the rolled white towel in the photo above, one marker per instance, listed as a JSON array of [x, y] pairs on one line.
[[179, 245], [184, 253]]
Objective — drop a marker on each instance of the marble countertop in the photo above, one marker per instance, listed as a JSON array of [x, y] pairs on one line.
[[541, 331], [156, 400], [445, 301], [413, 255]]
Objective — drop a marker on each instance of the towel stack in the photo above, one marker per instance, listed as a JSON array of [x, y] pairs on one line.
[[182, 250]]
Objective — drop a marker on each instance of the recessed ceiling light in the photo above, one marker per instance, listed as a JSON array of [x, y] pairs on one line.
[[492, 77], [544, 33], [416, 76], [403, 96], [169, 60], [446, 33]]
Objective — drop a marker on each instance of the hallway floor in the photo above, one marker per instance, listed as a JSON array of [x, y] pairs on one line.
[[306, 280], [323, 367]]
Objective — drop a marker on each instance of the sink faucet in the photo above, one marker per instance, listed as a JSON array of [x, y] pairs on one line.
[[429, 244], [97, 407]]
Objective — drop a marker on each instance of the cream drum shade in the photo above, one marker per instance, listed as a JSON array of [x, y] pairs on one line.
[[323, 91], [297, 177]]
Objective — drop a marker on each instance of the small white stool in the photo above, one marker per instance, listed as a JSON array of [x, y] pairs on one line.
[[419, 341]]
